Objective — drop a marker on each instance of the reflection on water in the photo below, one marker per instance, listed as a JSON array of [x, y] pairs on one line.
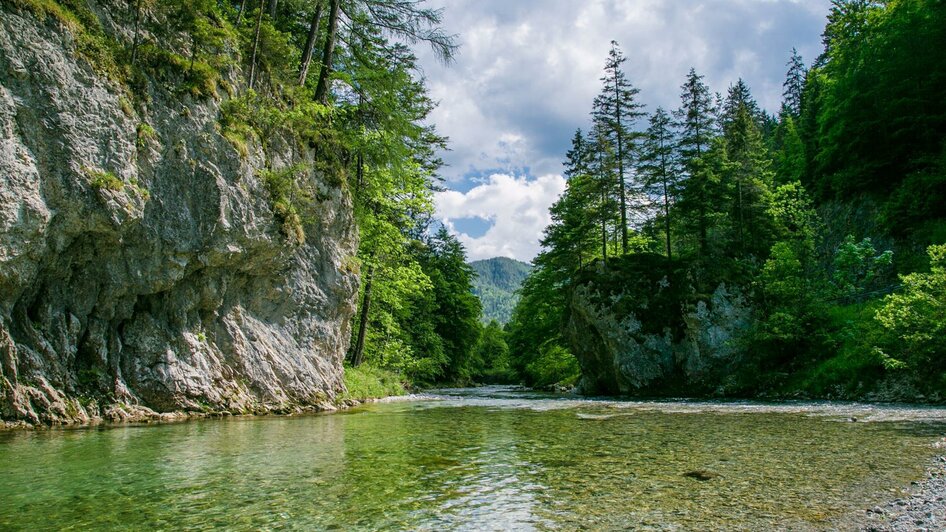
[[493, 458]]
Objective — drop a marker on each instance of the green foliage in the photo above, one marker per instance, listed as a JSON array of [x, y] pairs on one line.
[[452, 312], [103, 179], [492, 356], [254, 117], [177, 72], [101, 51], [849, 366], [291, 201], [913, 321], [878, 128], [496, 283], [554, 365], [857, 265], [534, 332], [368, 382], [793, 215], [791, 304], [144, 135]]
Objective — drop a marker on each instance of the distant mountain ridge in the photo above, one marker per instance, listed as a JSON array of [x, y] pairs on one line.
[[497, 280]]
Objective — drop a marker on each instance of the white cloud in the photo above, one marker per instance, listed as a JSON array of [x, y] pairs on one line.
[[528, 70], [517, 207], [531, 68]]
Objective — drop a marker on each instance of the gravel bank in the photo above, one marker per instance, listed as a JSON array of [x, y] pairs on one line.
[[923, 509]]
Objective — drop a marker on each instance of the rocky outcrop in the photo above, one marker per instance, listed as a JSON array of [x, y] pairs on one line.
[[142, 269], [639, 329]]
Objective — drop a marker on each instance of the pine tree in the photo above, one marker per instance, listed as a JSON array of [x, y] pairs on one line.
[[794, 86], [310, 42], [602, 167], [571, 235], [695, 121], [750, 179], [615, 111], [577, 157], [658, 166], [739, 96]]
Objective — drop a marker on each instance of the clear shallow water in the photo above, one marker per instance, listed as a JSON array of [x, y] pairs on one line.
[[473, 460]]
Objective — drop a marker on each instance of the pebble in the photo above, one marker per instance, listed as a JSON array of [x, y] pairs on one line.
[[924, 508]]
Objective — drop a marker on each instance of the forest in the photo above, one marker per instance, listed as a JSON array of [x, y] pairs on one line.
[[224, 243], [338, 77], [830, 216]]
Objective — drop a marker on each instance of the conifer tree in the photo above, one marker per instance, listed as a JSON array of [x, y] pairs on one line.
[[615, 111], [794, 86], [658, 166], [750, 178], [739, 96], [696, 124]]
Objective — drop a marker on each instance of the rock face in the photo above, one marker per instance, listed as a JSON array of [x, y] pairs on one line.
[[169, 289], [637, 329]]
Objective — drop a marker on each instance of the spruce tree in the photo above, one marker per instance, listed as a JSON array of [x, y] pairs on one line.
[[739, 96], [794, 86], [696, 124], [658, 166], [749, 179], [615, 111]]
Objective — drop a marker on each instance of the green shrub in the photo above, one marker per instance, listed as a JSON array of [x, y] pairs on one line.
[[179, 74], [368, 382], [913, 321], [145, 134], [555, 365], [50, 8], [289, 200], [857, 265], [849, 366], [101, 51], [103, 179]]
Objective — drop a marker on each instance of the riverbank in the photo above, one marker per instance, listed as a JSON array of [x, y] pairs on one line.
[[363, 384], [923, 507]]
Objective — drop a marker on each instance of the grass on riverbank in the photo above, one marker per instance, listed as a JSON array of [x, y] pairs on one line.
[[367, 382]]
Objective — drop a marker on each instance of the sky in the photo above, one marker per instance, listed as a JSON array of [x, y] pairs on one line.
[[527, 71]]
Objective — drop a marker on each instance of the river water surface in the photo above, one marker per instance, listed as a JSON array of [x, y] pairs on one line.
[[483, 459]]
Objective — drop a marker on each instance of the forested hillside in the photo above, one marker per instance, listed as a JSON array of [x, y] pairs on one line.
[[251, 145], [719, 249], [496, 283]]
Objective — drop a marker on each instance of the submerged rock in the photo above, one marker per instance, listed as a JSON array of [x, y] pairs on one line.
[[146, 273], [702, 476]]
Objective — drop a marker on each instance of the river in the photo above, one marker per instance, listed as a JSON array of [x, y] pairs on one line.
[[493, 458]]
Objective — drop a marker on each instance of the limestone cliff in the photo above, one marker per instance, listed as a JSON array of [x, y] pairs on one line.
[[640, 328], [142, 269]]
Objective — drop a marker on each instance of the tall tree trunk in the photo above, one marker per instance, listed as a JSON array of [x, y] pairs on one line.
[[742, 220], [321, 90], [604, 228], [240, 12], [620, 135], [259, 23], [134, 42], [310, 43], [272, 9], [703, 198], [361, 171], [667, 217], [703, 237], [358, 354]]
